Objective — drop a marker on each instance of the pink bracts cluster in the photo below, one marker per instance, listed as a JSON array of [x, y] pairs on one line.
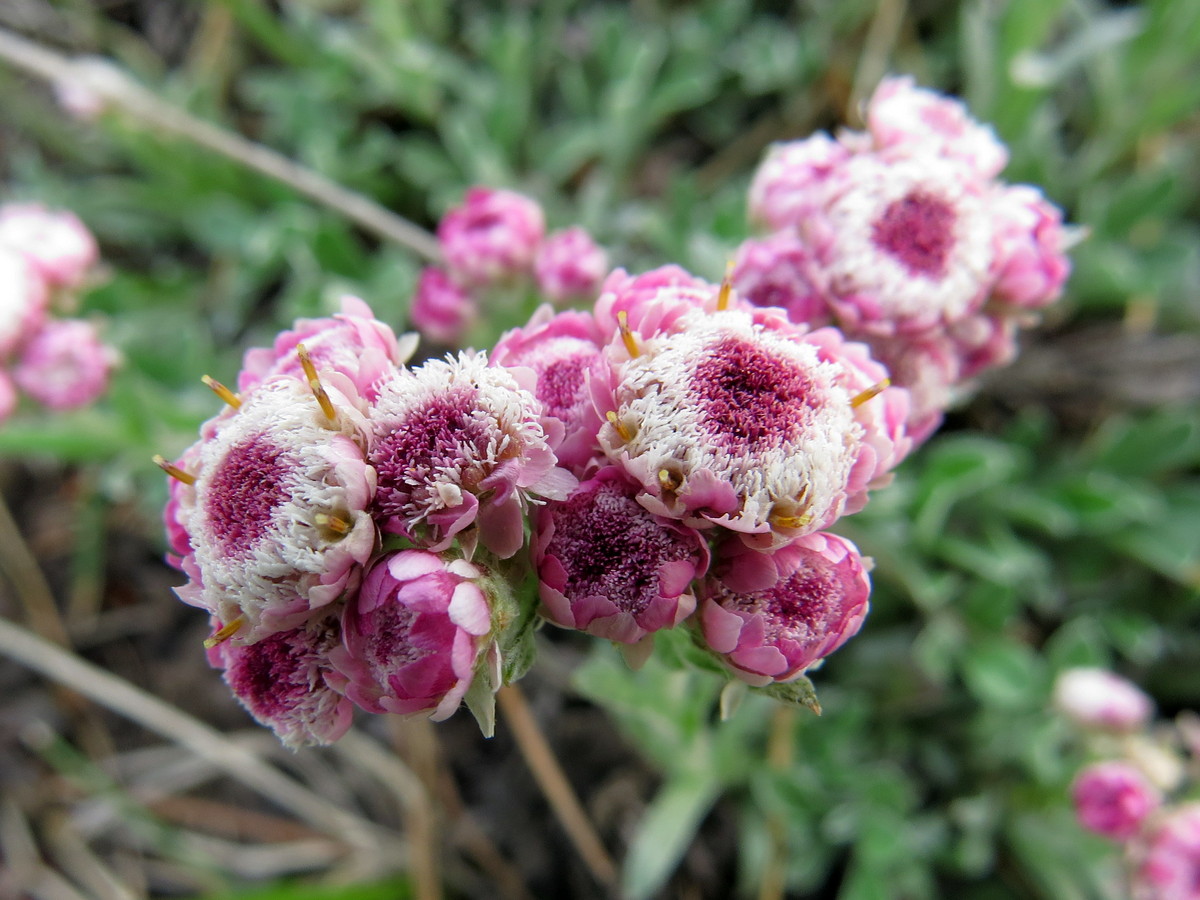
[[46, 258]]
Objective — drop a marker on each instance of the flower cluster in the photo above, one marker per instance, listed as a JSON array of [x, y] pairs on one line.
[[46, 258], [903, 237], [497, 240], [1136, 792], [672, 454]]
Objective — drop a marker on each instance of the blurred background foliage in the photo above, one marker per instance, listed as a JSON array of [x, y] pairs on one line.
[[1053, 522]]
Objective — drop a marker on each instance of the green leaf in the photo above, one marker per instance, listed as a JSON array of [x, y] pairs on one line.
[[666, 831]]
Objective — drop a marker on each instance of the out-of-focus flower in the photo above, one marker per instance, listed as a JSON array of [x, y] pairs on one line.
[[817, 602], [441, 309], [59, 245], [608, 567], [353, 344], [569, 265], [492, 237], [928, 368], [1113, 798], [65, 365], [8, 396], [774, 272], [458, 443], [281, 681], [414, 635], [1099, 699], [1030, 263], [277, 521], [23, 299], [790, 183], [1168, 862], [902, 116], [563, 350]]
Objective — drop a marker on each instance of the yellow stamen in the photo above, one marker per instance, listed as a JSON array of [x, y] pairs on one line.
[[224, 633], [334, 523], [669, 480], [174, 471], [726, 288], [790, 521], [627, 335], [619, 426], [873, 391], [310, 372], [221, 391]]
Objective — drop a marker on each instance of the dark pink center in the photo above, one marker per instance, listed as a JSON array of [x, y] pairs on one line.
[[560, 384], [918, 230], [611, 547], [801, 608], [409, 651], [750, 399], [271, 676], [243, 493]]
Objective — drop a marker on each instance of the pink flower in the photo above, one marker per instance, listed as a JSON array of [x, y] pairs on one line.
[[277, 519], [608, 567], [353, 344], [23, 299], [983, 341], [904, 245], [1030, 264], [929, 369], [1168, 862], [8, 396], [441, 309], [817, 602], [1101, 700], [414, 636], [65, 365], [1113, 798], [569, 265], [730, 422], [773, 272], [564, 351], [652, 301], [282, 682], [491, 238], [458, 443], [791, 182], [58, 245], [901, 116]]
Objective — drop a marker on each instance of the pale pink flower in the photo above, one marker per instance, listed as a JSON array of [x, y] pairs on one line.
[[815, 603], [564, 351], [569, 265], [791, 182], [23, 299], [1030, 263], [774, 272], [608, 567], [733, 423], [1168, 860], [1099, 699], [1113, 798], [983, 341], [414, 636], [929, 368], [458, 443], [901, 116], [492, 237], [282, 683], [8, 396], [442, 310], [353, 344], [652, 301], [277, 520], [59, 245], [65, 365], [904, 245]]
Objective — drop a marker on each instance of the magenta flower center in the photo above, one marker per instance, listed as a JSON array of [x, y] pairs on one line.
[[749, 398], [270, 677], [918, 230], [244, 493], [559, 385], [611, 547], [409, 649], [805, 606]]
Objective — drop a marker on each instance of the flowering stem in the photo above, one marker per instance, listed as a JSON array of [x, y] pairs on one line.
[[118, 90], [553, 782]]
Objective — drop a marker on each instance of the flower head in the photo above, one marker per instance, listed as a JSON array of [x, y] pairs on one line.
[[492, 237], [774, 272], [1102, 700], [458, 443], [1030, 263], [791, 182], [1168, 862], [609, 567], [282, 682], [1113, 798], [413, 637], [23, 299], [58, 245], [651, 302], [441, 309], [817, 602], [65, 365], [569, 265]]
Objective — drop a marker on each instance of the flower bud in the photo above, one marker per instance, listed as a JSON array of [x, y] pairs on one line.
[[491, 238], [441, 309], [1098, 699], [1113, 798], [65, 365], [569, 265]]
